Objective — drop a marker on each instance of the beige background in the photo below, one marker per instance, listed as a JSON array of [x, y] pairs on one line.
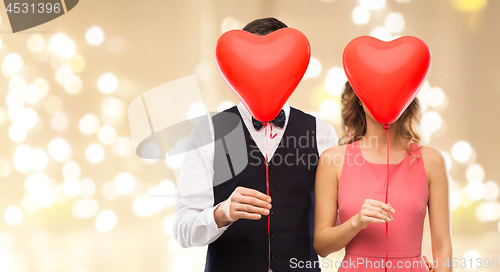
[[148, 43]]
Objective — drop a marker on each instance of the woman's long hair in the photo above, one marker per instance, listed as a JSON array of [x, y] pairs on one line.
[[354, 120]]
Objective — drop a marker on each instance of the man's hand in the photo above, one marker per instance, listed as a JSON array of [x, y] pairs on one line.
[[243, 203], [431, 269]]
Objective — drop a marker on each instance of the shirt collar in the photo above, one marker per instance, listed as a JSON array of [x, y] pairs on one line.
[[246, 114]]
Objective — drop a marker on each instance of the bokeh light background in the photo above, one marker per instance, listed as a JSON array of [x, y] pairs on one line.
[[75, 197]]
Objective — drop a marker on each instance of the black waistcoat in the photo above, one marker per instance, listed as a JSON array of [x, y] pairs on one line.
[[292, 169]]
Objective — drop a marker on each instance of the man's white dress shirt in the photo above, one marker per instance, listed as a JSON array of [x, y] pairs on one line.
[[194, 223]]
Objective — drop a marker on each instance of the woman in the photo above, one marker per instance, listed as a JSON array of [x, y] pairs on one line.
[[352, 178]]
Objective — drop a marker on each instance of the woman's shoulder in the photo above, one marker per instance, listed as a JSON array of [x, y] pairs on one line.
[[333, 154], [433, 159]]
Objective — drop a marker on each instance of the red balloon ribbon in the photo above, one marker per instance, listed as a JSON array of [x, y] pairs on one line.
[[386, 127], [267, 186]]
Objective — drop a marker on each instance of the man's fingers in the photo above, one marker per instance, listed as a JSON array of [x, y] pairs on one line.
[[251, 209], [246, 215], [254, 193], [254, 202], [382, 205]]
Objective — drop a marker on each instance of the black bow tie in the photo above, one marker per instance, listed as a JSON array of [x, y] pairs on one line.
[[279, 121]]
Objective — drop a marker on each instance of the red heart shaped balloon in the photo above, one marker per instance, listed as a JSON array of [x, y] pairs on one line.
[[263, 71], [386, 76]]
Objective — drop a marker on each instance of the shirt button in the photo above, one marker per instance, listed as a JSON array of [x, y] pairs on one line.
[[271, 234], [271, 213], [272, 256], [271, 191], [270, 171]]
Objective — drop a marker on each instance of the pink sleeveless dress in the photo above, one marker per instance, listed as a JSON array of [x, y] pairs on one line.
[[408, 194]]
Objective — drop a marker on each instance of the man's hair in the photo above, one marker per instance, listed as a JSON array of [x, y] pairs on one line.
[[264, 26]]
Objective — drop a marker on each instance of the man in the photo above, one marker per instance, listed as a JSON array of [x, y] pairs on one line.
[[232, 216]]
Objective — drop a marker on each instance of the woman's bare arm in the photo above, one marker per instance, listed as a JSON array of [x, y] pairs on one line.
[[439, 210]]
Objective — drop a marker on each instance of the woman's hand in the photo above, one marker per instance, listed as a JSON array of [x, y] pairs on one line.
[[373, 211]]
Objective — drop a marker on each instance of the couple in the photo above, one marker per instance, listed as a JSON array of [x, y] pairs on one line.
[[322, 197]]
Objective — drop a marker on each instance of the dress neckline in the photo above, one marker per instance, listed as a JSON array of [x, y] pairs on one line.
[[356, 145]]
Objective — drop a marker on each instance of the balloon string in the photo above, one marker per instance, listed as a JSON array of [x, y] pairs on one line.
[[267, 186], [386, 127]]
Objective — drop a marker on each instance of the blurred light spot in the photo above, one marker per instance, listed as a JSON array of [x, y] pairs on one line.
[[224, 105], [431, 122], [144, 206], [394, 22], [29, 204], [168, 225], [36, 43], [229, 24], [13, 216], [27, 118], [14, 100], [73, 84], [77, 63], [105, 221], [475, 190], [175, 161], [473, 258], [491, 190], [63, 74], [123, 146], [329, 109], [22, 158], [45, 197], [62, 46], [59, 149], [461, 151], [474, 172], [124, 183], [360, 15], [203, 71], [435, 97], [335, 81], [196, 109], [313, 69], [89, 124], [112, 109], [106, 134], [403, 1], [165, 193], [94, 36], [94, 153], [488, 211], [39, 159], [17, 132], [72, 187], [85, 208], [31, 94], [5, 168], [71, 169], [37, 181], [109, 191], [470, 5], [17, 83], [59, 121], [381, 33], [12, 64], [88, 187], [372, 4], [52, 104], [107, 83]]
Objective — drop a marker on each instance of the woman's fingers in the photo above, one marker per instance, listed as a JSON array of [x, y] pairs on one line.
[[382, 205], [376, 215], [382, 211]]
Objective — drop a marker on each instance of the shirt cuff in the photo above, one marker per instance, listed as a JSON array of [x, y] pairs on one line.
[[211, 220]]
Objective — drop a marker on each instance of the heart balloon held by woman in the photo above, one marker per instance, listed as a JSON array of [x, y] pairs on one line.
[[263, 71], [386, 76]]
